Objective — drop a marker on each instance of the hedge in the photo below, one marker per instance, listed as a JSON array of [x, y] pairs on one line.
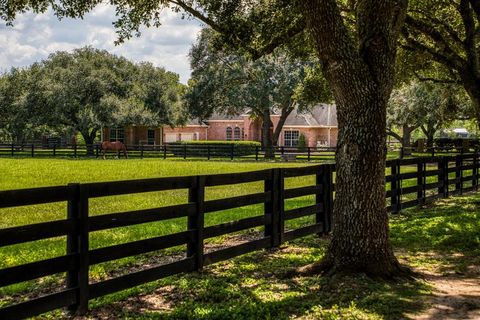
[[216, 148]]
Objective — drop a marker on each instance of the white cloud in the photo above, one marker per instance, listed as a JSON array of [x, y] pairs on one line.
[[33, 37]]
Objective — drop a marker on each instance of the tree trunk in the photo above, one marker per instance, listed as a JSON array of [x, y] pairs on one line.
[[361, 78], [89, 138], [283, 117], [406, 140], [267, 135], [429, 132]]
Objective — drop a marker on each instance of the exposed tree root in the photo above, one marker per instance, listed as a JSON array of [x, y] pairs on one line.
[[326, 267]]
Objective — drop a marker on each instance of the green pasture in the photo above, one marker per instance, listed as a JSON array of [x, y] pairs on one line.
[[30, 173]]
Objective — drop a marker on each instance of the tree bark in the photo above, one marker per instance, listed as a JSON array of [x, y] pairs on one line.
[[361, 78], [267, 135], [89, 138], [429, 132], [406, 140]]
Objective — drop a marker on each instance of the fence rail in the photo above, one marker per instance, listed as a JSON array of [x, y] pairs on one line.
[[410, 182]]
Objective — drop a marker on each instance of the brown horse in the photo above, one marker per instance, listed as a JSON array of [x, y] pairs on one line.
[[116, 146]]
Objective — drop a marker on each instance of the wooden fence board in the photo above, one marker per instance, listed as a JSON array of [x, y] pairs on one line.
[[140, 277], [235, 202], [236, 178], [116, 220], [39, 305], [304, 231], [224, 254], [302, 191], [104, 189], [138, 247], [38, 231], [24, 197], [37, 269], [234, 226], [303, 211]]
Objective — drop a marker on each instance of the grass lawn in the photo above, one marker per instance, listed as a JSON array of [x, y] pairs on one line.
[[28, 173], [443, 238]]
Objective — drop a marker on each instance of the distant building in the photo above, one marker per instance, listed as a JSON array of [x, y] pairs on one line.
[[319, 126]]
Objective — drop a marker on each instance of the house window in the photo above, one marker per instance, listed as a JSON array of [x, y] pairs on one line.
[[237, 134], [117, 134], [291, 138], [229, 133], [150, 136]]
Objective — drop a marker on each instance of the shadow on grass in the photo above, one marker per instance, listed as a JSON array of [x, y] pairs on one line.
[[445, 234], [251, 287]]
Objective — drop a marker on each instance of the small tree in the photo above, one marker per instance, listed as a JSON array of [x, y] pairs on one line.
[[302, 143]]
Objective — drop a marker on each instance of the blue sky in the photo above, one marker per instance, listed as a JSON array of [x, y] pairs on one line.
[[33, 37]]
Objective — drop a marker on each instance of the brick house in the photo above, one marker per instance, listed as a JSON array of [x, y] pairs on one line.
[[319, 126]]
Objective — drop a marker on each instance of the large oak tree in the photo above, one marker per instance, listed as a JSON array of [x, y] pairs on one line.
[[358, 61]]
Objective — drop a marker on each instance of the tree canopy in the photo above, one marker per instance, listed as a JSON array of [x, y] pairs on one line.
[[87, 89], [446, 33], [355, 43], [229, 83]]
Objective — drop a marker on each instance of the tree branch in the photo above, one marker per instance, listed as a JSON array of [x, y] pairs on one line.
[[432, 33]]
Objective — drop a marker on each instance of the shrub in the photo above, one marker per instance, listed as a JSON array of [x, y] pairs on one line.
[[302, 143]]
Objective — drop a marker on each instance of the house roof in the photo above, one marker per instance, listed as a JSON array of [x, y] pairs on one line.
[[322, 115]]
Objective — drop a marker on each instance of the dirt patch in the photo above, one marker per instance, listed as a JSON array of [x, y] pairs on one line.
[[455, 295]]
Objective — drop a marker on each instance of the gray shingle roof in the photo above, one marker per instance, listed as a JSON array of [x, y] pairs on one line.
[[322, 115]]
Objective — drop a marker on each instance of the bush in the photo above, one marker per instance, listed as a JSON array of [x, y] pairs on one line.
[[218, 148], [302, 143]]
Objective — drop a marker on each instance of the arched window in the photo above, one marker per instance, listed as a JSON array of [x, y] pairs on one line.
[[229, 133], [236, 134]]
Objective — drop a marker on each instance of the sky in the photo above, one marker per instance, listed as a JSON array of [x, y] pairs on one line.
[[34, 36]]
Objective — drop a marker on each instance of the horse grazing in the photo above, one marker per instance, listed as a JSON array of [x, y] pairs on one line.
[[116, 146]]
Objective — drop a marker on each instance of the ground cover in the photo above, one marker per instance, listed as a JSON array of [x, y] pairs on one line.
[[449, 242], [441, 242], [28, 173]]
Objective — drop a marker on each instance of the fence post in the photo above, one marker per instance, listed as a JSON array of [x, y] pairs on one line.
[[256, 153], [13, 149], [141, 151], [208, 152], [308, 151], [77, 244], [442, 178], [72, 239], [421, 181], [271, 209], [185, 151], [54, 149], [164, 151], [232, 151], [394, 187], [325, 178], [196, 194], [96, 150], [458, 174], [33, 150], [475, 171]]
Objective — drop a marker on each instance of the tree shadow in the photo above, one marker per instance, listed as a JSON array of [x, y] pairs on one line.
[[252, 287]]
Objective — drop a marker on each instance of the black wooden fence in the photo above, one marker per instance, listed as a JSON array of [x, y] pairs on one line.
[[185, 151], [410, 182]]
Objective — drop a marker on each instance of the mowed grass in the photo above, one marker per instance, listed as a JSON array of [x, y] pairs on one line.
[[30, 173], [442, 237]]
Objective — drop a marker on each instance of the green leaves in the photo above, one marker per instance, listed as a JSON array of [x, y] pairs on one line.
[[88, 89]]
